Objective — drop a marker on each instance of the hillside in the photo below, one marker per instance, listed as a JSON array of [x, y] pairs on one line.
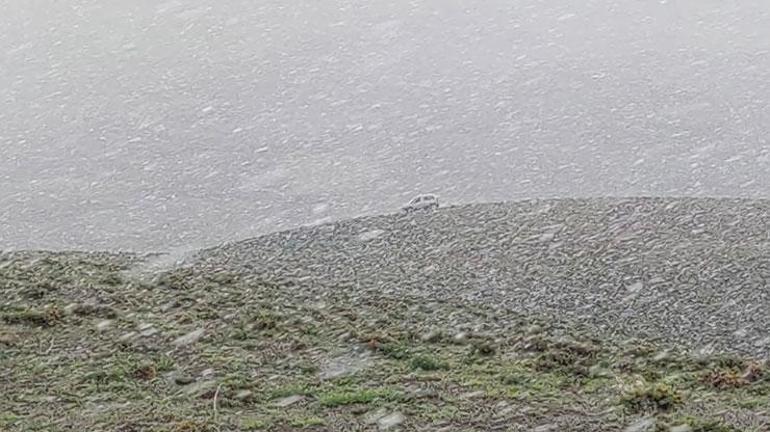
[[618, 315]]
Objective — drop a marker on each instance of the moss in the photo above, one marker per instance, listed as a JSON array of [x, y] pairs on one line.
[[306, 422], [291, 390], [483, 348], [428, 363], [254, 424], [394, 351], [657, 396], [32, 317], [343, 397], [95, 310], [265, 320], [264, 342], [193, 426], [696, 425]]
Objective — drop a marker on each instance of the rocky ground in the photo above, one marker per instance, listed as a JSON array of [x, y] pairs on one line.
[[636, 315]]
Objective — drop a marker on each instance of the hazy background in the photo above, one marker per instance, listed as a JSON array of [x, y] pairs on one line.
[[149, 125]]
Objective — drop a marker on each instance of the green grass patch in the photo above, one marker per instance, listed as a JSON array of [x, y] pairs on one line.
[[336, 398], [657, 396], [428, 363], [306, 422]]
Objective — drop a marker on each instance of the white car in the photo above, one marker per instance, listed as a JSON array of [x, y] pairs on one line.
[[422, 202]]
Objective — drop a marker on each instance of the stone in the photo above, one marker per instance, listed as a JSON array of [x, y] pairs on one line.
[[290, 400], [200, 388], [189, 338], [460, 338], [431, 337], [681, 428], [473, 395], [391, 420], [148, 332], [243, 395], [127, 337], [374, 416], [180, 379], [103, 325], [645, 424]]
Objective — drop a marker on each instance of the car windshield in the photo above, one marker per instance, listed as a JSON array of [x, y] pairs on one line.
[[402, 215]]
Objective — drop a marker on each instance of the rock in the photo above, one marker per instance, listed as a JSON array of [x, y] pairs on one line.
[[550, 427], [104, 325], [420, 393], [70, 308], [343, 365], [168, 306], [180, 379], [290, 400], [598, 371], [244, 395], [431, 337], [762, 342], [201, 388], [375, 416], [473, 395], [645, 424], [681, 428], [370, 235], [207, 372], [662, 355], [390, 421], [460, 338], [148, 332], [189, 338], [127, 337]]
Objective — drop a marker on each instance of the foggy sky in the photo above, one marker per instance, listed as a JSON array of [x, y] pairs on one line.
[[149, 125]]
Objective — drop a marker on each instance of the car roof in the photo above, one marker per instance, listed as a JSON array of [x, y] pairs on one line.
[[424, 197]]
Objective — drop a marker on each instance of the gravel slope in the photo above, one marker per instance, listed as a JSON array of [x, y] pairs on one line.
[[688, 271]]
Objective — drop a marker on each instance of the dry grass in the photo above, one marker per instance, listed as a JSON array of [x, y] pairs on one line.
[[103, 352]]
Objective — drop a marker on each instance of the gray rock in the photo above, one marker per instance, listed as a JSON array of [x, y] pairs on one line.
[[181, 379], [374, 416], [460, 338], [199, 389], [189, 338], [290, 400], [391, 420], [148, 332], [127, 337], [645, 424], [681, 428], [345, 364], [104, 325], [244, 395], [473, 395], [431, 337]]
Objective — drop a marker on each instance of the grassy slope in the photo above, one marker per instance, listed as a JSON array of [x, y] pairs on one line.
[[82, 347]]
